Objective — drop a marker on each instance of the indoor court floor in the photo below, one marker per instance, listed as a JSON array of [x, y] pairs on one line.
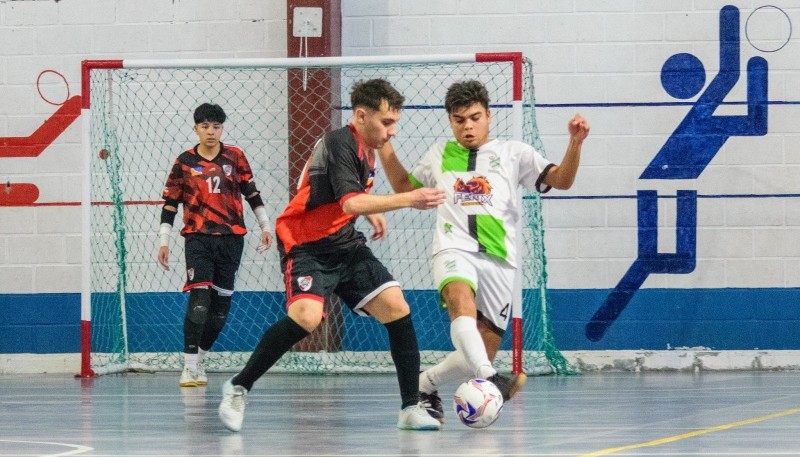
[[594, 414]]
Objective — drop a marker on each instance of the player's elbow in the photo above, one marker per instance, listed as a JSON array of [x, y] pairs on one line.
[[564, 183], [353, 206], [402, 187], [349, 208], [557, 179]]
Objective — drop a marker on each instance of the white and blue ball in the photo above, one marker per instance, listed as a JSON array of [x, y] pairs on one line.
[[478, 403]]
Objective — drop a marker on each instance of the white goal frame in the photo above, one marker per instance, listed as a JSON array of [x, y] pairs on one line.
[[515, 58]]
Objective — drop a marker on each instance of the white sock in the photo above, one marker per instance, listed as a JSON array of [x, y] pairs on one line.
[[467, 340], [190, 361], [452, 368], [201, 354]]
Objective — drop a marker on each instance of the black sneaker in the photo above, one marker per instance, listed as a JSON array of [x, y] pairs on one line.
[[433, 404], [508, 386]]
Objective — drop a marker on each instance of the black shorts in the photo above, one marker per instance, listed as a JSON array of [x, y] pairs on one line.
[[212, 261], [356, 276]]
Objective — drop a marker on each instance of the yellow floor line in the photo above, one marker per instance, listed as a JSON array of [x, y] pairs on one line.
[[692, 434]]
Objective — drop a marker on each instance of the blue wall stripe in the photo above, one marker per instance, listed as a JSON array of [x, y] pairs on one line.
[[655, 319]]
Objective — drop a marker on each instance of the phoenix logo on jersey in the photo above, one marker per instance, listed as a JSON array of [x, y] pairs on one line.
[[476, 191]]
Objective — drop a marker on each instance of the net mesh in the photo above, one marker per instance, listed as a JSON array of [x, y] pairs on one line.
[[140, 122]]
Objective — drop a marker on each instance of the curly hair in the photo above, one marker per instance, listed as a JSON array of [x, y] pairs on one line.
[[466, 93]]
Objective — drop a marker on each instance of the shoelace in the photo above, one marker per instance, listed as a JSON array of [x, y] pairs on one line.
[[238, 400]]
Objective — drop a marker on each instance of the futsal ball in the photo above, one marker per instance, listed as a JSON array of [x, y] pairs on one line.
[[478, 403]]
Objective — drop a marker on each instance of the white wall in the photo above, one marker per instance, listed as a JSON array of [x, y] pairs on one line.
[[598, 58], [584, 52], [40, 246]]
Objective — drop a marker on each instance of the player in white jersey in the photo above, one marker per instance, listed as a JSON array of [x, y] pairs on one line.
[[474, 248]]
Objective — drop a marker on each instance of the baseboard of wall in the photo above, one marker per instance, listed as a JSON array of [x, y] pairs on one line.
[[693, 359], [699, 359], [40, 363]]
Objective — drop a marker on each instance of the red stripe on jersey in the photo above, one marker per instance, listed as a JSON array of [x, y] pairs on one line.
[[295, 226], [347, 197]]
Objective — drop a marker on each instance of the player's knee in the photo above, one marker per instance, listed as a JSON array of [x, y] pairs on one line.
[[458, 295], [306, 313], [218, 319], [220, 307], [198, 307], [398, 309], [389, 309]]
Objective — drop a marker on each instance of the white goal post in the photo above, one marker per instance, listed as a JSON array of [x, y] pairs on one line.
[[136, 118]]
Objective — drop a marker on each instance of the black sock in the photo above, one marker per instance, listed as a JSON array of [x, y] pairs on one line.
[[276, 341], [405, 354]]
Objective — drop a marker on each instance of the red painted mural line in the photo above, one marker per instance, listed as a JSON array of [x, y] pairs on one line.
[[32, 202], [34, 144], [19, 194]]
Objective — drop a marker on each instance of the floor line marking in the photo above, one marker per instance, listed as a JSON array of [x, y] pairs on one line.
[[683, 436], [78, 448]]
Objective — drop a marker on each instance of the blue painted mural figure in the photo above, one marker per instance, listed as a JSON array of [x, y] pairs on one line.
[[686, 153], [701, 134]]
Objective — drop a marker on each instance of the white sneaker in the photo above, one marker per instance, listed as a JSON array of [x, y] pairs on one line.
[[202, 379], [231, 408], [416, 417], [189, 378]]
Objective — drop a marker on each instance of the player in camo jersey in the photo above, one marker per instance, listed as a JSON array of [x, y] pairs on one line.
[[209, 180], [475, 257]]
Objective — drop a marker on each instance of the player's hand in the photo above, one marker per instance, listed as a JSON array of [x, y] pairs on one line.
[[163, 257], [266, 242], [378, 223], [578, 128], [427, 198]]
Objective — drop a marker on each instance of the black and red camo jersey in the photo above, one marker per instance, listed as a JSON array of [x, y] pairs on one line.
[[210, 191], [340, 167]]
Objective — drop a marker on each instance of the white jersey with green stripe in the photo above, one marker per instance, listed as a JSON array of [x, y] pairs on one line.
[[483, 186]]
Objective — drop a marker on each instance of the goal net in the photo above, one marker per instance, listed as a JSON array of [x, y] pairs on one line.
[[138, 117]]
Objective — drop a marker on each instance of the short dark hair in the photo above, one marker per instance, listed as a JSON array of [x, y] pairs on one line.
[[209, 113], [370, 94], [466, 93]]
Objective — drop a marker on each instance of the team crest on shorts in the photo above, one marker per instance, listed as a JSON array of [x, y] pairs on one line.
[[304, 282], [190, 273]]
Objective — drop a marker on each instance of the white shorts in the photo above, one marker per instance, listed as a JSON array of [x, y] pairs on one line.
[[491, 279]]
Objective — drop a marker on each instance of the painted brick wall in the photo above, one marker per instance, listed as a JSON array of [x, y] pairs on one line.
[[600, 58], [604, 60], [40, 246]]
